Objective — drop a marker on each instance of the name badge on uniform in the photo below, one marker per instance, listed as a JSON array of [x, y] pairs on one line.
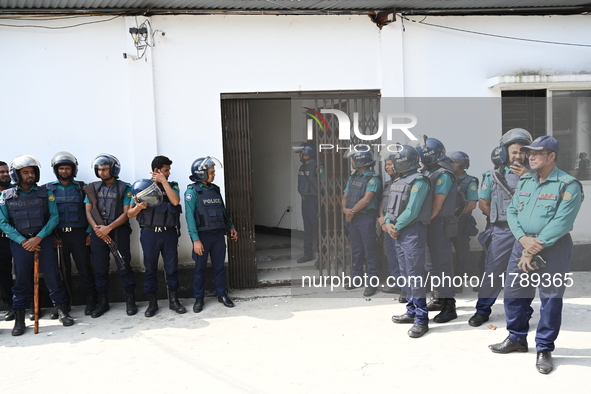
[[546, 196], [526, 194], [520, 206]]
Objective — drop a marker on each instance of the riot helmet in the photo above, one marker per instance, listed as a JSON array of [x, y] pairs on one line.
[[431, 151], [460, 158], [200, 166], [105, 159], [495, 157], [144, 190], [305, 148], [511, 137], [362, 158], [64, 158], [21, 162], [405, 159]]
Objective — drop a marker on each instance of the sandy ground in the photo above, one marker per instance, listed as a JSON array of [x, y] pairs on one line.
[[272, 342]]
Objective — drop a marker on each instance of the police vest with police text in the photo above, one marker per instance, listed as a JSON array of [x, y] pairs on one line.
[[163, 215], [28, 212], [357, 189], [209, 214], [400, 196], [70, 205], [308, 179], [110, 200], [449, 204], [501, 199]]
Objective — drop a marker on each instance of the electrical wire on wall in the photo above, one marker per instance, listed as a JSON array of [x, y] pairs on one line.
[[143, 37]]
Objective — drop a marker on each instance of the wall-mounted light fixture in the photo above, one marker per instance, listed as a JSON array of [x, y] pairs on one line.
[[143, 37]]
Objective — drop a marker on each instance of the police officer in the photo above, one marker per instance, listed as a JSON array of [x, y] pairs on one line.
[[494, 199], [360, 204], [408, 214], [308, 176], [5, 254], [160, 226], [207, 221], [71, 232], [467, 197], [540, 216], [443, 223], [28, 215], [389, 242], [113, 198]]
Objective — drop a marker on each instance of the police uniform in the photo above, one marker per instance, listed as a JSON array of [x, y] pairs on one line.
[[409, 209], [110, 201], [24, 215], [308, 175], [547, 212], [440, 247], [6, 282], [73, 229], [207, 221], [498, 187], [389, 242], [159, 234], [362, 228], [468, 189]]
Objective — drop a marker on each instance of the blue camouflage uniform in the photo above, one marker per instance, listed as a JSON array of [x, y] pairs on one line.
[[24, 215], [207, 221], [362, 228], [409, 209], [546, 211]]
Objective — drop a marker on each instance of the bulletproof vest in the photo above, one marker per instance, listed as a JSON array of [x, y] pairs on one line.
[[462, 196], [386, 195], [357, 186], [400, 195], [110, 200], [449, 205], [163, 215], [209, 214], [70, 205], [28, 212], [308, 179], [500, 200]]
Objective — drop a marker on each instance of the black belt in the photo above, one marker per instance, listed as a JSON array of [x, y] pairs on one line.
[[2, 235], [67, 229], [157, 229], [29, 235], [501, 224]]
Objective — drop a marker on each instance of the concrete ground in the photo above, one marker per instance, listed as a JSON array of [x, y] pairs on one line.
[[272, 342]]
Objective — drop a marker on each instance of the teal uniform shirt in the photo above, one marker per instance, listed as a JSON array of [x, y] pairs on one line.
[[12, 233], [127, 198], [472, 193], [418, 193], [486, 187], [373, 185], [444, 182], [544, 210], [191, 202]]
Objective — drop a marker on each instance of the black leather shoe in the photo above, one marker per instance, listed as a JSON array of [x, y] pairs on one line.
[[226, 301], [402, 299], [403, 319], [418, 330], [544, 363], [448, 312], [477, 320], [152, 305], [198, 306], [90, 304], [19, 323], [63, 315], [53, 315], [351, 287], [509, 346], [369, 291], [102, 305], [9, 315], [304, 259], [130, 306], [391, 290], [174, 303]]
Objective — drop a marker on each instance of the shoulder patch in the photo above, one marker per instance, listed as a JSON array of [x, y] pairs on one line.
[[484, 186], [188, 197], [439, 182], [473, 187], [414, 189], [372, 182], [128, 194], [320, 170], [565, 196], [175, 187], [2, 202], [51, 198]]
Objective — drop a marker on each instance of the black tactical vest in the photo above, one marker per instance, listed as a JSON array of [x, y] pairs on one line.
[[400, 195], [386, 195], [209, 214], [449, 205], [162, 215], [110, 200], [28, 212], [357, 188], [308, 179], [462, 196], [70, 205], [500, 199]]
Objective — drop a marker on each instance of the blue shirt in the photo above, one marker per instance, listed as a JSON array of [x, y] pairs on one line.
[[191, 203], [12, 233]]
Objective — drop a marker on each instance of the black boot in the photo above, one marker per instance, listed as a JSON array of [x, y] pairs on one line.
[[53, 315], [448, 312], [63, 315], [130, 305], [102, 305], [9, 315], [19, 323], [32, 314], [152, 305], [90, 304], [436, 303], [174, 303]]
